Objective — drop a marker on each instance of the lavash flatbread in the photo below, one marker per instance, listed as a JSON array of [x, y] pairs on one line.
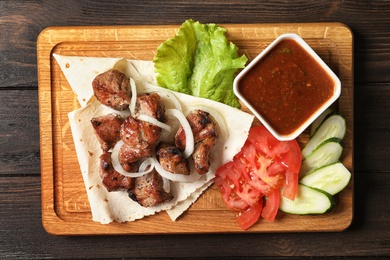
[[109, 206]]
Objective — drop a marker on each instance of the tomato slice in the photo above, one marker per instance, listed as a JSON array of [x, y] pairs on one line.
[[291, 187], [262, 167], [293, 157], [249, 217], [271, 205]]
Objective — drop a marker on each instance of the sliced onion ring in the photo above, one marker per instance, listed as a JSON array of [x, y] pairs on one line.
[[145, 167], [154, 121], [133, 99], [194, 176], [123, 113], [171, 97], [190, 143], [216, 116], [166, 184], [163, 93]]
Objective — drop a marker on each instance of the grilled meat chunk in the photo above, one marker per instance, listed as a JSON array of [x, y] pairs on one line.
[[139, 134], [151, 105], [107, 129], [128, 154], [148, 190], [140, 137], [201, 125], [205, 137], [201, 155], [112, 88], [112, 179], [171, 159]]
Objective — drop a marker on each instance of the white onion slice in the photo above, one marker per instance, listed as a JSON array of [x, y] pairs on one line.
[[215, 115], [133, 99], [145, 167], [124, 66], [168, 95], [123, 113], [190, 143], [149, 87], [154, 121], [194, 176], [165, 94], [166, 184]]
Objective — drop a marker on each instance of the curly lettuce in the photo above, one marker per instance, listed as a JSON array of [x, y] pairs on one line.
[[199, 61]]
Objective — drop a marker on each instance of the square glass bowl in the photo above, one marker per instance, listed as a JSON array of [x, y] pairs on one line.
[[287, 86]]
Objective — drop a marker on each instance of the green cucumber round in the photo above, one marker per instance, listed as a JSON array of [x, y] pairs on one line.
[[334, 125], [331, 178], [308, 201]]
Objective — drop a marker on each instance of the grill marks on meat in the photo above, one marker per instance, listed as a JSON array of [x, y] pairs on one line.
[[112, 88], [107, 129], [112, 179], [202, 153], [151, 105], [129, 154], [148, 190], [139, 134], [201, 126], [140, 137], [203, 129], [171, 159]]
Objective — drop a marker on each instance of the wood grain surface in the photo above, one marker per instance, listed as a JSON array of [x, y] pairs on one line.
[[68, 212], [22, 235]]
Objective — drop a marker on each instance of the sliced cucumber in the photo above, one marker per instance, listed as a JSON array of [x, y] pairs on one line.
[[331, 178], [333, 125], [318, 121], [327, 152], [307, 201]]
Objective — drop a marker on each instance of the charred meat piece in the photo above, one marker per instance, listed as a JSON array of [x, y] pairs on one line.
[[112, 88], [128, 154], [130, 167], [112, 179], [205, 137], [148, 190], [201, 125], [201, 155], [171, 159], [107, 129], [151, 105], [139, 134], [207, 132]]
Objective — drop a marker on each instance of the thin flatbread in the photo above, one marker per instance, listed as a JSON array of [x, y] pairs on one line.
[[109, 206]]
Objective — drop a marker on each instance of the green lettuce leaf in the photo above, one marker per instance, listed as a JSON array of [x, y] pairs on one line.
[[199, 61]]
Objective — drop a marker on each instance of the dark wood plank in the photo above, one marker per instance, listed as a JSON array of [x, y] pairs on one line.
[[372, 121], [21, 232], [19, 132], [20, 29], [22, 235]]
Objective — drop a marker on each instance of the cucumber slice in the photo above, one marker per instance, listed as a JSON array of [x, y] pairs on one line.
[[314, 126], [327, 152], [334, 125], [307, 201], [331, 178]]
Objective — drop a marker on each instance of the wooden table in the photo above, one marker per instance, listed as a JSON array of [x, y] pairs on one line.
[[21, 232]]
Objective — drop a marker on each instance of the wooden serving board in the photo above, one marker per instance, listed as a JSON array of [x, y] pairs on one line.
[[65, 206]]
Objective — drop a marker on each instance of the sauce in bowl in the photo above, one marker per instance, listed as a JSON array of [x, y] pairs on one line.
[[287, 86]]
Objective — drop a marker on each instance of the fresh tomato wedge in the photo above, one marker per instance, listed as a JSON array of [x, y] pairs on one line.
[[250, 216], [291, 187], [271, 205], [262, 167]]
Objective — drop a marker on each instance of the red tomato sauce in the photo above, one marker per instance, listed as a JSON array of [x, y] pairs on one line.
[[287, 86]]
